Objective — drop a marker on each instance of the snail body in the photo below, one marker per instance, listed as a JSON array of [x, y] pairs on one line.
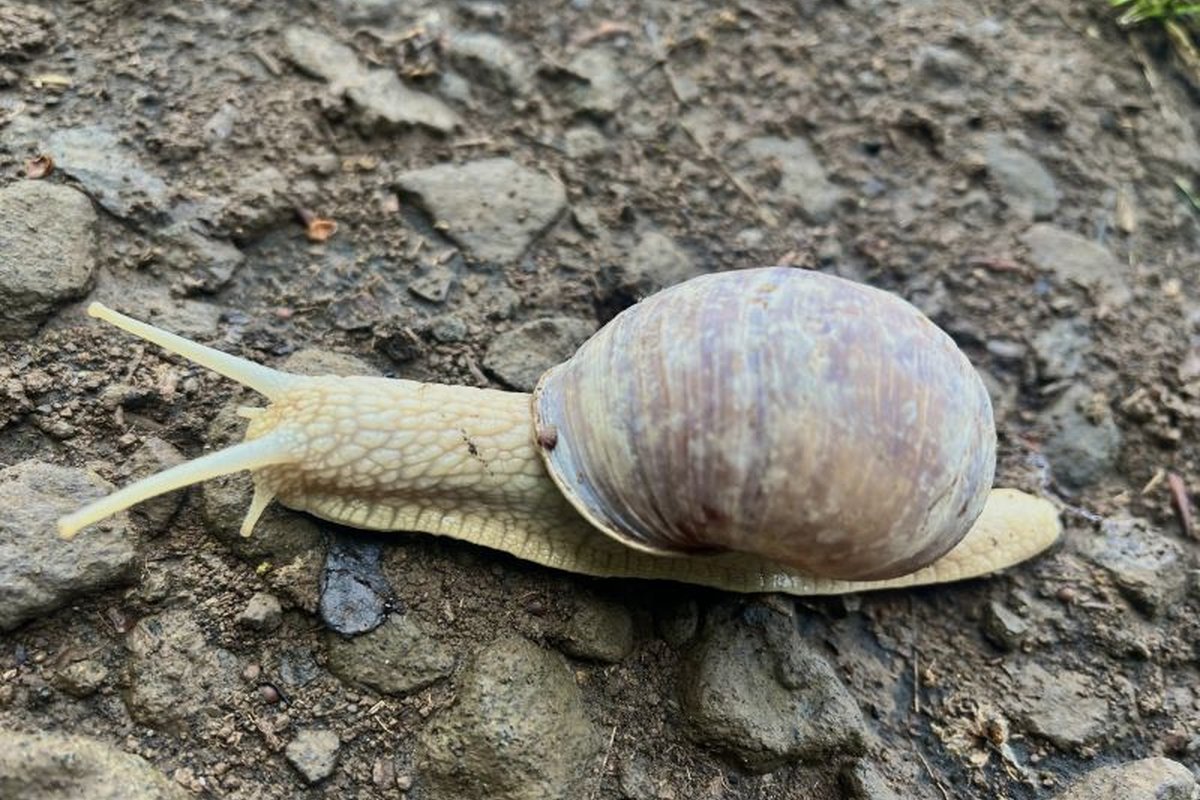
[[761, 430]]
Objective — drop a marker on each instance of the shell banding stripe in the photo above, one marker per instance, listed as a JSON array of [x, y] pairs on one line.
[[806, 418]]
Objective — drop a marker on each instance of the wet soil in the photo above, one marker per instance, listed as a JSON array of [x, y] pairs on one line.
[[963, 155]]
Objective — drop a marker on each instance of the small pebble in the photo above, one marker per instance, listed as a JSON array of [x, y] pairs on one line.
[[268, 693], [263, 613], [81, 678], [314, 754]]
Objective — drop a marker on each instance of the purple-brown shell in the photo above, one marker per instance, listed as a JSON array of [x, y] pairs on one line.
[[805, 418]]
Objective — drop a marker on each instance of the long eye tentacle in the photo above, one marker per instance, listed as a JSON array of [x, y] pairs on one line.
[[277, 447], [270, 382]]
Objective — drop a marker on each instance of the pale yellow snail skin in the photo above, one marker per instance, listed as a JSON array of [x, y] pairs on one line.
[[470, 463]]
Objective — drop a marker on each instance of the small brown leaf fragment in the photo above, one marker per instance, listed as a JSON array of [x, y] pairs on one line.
[[39, 167], [320, 230], [1182, 504], [608, 29], [317, 229]]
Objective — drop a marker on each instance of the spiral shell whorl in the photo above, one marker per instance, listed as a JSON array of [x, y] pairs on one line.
[[807, 419]]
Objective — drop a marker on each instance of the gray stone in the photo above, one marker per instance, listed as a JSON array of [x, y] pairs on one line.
[[655, 263], [385, 101], [599, 630], [584, 142], [47, 252], [298, 668], [39, 570], [491, 60], [314, 754], [1003, 627], [24, 30], [862, 781], [207, 263], [322, 56], [1024, 183], [756, 691], [1074, 259], [368, 12], [1061, 348], [175, 676], [81, 678], [1060, 706], [53, 766], [433, 285], [262, 613], [1006, 350], [388, 104], [109, 172], [449, 329], [498, 301], [520, 356], [398, 657], [1146, 779], [601, 86], [1150, 570], [942, 64], [494, 207], [258, 201], [518, 730], [1084, 441], [795, 178], [354, 590]]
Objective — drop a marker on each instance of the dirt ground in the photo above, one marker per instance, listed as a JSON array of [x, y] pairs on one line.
[[1013, 170]]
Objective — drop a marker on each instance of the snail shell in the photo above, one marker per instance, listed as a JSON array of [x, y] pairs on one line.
[[805, 418]]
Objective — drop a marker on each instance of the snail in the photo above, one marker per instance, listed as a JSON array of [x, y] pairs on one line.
[[769, 429]]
